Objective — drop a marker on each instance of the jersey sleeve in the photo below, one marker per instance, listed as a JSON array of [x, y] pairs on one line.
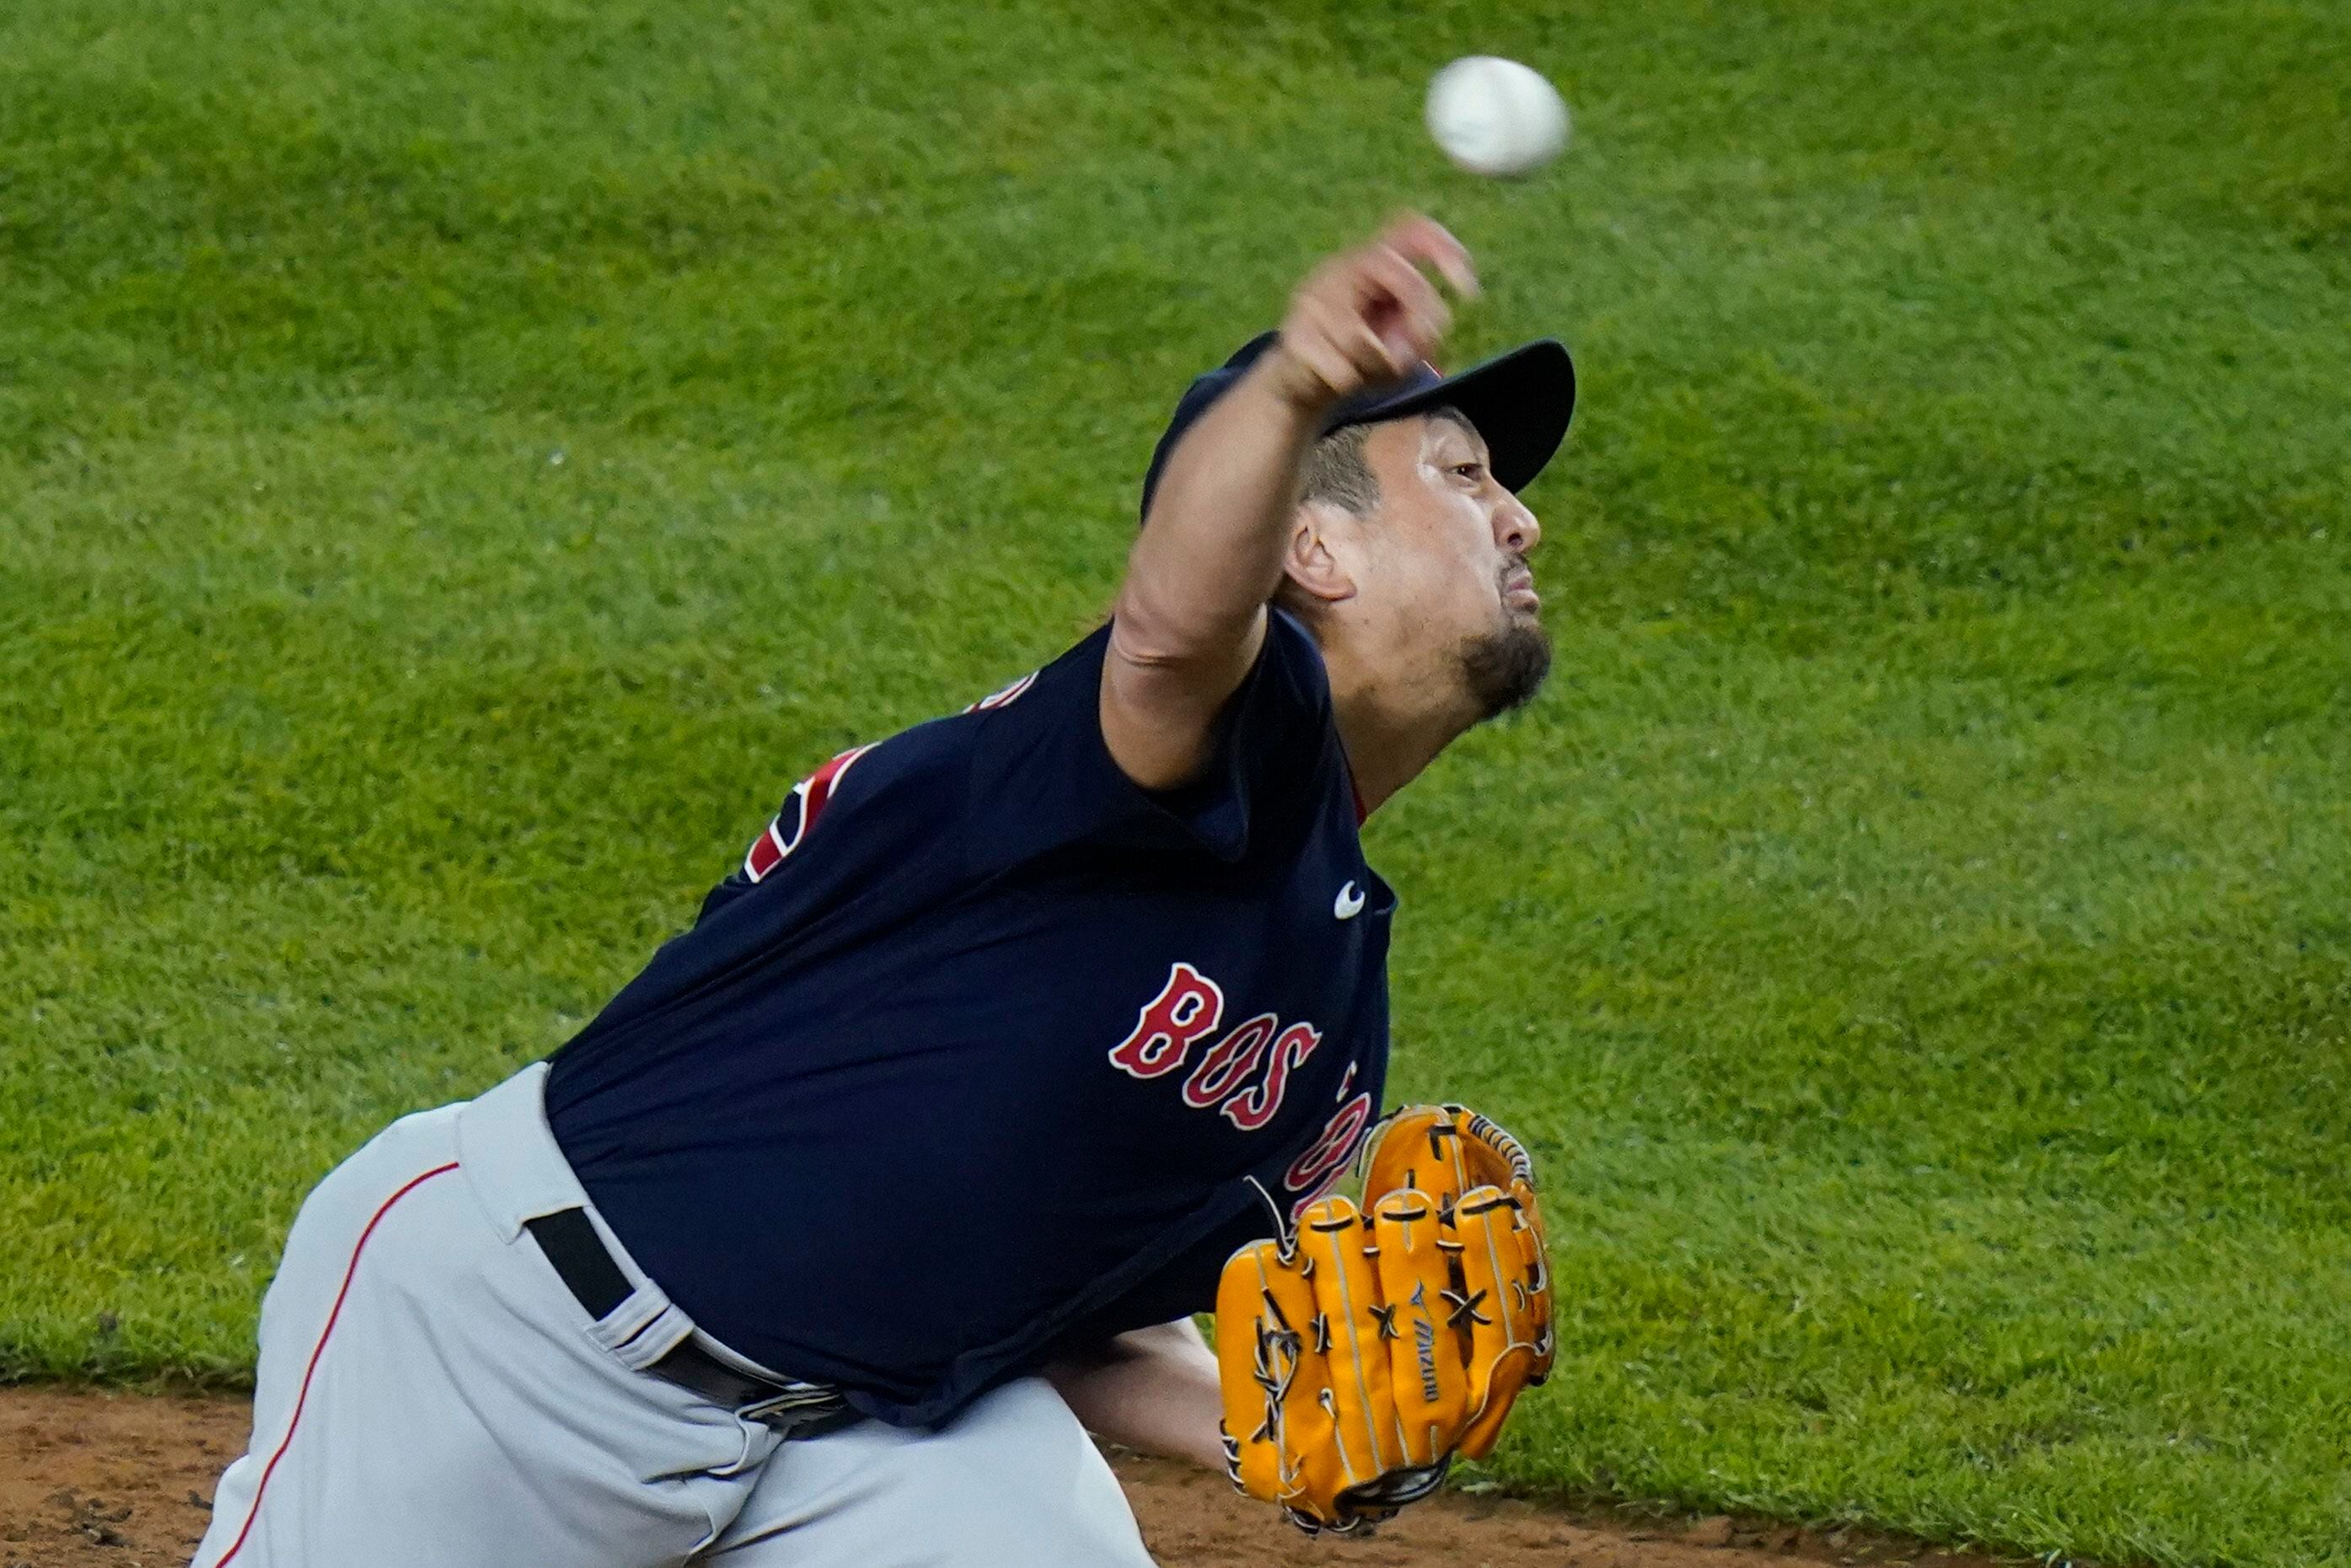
[[1043, 778]]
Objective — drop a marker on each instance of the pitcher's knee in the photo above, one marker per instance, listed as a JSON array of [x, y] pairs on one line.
[[1090, 1537], [1017, 1481]]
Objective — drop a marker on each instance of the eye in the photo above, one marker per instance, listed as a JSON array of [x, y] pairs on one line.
[[1472, 472]]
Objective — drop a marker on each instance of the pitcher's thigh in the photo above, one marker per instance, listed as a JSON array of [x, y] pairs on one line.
[[1014, 1480], [427, 1398]]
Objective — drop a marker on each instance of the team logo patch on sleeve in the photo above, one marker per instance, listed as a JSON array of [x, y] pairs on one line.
[[801, 808], [1006, 697]]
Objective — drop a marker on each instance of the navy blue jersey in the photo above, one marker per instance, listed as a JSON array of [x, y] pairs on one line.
[[985, 1049]]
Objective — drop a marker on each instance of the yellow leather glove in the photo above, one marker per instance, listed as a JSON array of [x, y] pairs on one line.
[[1358, 1356]]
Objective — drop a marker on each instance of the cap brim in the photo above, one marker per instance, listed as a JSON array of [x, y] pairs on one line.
[[1521, 402]]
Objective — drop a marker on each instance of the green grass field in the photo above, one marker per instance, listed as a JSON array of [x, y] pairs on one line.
[[459, 463]]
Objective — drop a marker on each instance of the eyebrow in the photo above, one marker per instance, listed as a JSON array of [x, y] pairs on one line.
[[1452, 416]]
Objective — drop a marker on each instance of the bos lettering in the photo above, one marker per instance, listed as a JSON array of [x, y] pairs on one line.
[[1250, 1110], [1184, 1011], [1244, 1073], [1313, 1172], [1228, 1061]]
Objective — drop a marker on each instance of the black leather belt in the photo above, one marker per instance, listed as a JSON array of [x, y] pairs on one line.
[[588, 1272]]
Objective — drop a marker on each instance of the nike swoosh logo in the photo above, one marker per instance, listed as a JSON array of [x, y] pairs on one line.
[[1349, 903]]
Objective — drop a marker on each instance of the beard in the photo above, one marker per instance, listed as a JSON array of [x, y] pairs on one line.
[[1503, 670]]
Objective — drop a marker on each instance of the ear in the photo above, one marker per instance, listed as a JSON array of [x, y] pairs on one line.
[[1316, 559]]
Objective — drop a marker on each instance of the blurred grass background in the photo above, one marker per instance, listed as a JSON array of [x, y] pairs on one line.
[[458, 464]]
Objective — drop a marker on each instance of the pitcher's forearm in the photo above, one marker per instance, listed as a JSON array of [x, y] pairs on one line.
[[1191, 614], [1211, 553], [1154, 1390]]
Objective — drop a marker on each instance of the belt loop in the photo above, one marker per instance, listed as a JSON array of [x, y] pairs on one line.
[[569, 1240], [509, 1154]]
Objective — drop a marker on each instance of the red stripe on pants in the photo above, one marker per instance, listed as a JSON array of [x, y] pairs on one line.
[[317, 1350]]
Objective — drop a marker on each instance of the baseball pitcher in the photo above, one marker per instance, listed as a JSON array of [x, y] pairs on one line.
[[1014, 1041]]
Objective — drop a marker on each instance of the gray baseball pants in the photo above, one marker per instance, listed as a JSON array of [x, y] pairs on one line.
[[430, 1395]]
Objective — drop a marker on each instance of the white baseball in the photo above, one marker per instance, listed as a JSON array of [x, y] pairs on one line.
[[1494, 116]]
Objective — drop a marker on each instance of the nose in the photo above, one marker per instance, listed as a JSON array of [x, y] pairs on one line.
[[1515, 527]]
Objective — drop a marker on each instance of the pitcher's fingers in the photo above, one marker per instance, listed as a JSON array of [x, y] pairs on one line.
[[1344, 322], [1423, 314], [1394, 272], [1421, 239], [1332, 343]]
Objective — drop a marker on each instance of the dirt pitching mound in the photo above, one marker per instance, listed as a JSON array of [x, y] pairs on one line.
[[93, 1479]]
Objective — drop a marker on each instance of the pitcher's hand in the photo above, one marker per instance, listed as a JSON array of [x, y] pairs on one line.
[[1368, 315]]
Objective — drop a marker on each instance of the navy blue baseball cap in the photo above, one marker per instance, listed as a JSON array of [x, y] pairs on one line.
[[1521, 402]]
